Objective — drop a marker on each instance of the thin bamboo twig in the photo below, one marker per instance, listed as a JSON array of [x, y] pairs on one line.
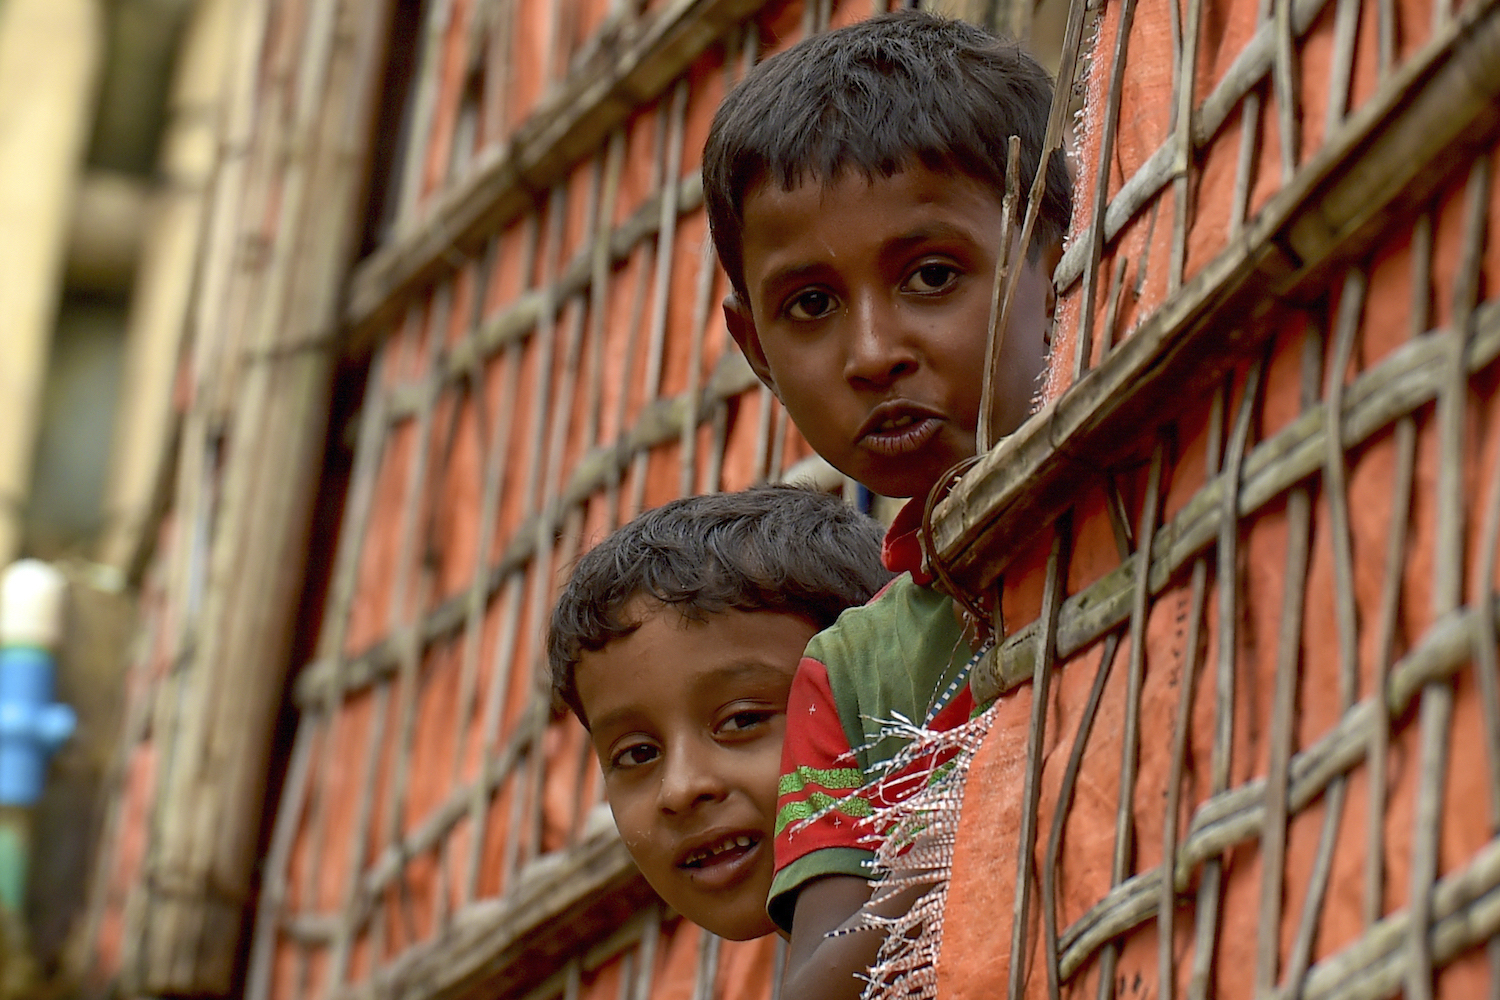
[[1336, 491], [1120, 521], [1447, 587], [1182, 112], [1166, 913], [1237, 816], [1057, 564], [1390, 606], [509, 598], [1284, 696], [1130, 742], [1004, 260], [665, 263], [1207, 923], [1065, 796]]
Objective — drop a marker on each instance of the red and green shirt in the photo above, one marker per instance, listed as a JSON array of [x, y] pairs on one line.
[[898, 657]]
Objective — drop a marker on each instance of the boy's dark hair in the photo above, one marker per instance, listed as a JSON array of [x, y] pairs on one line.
[[878, 97], [769, 548]]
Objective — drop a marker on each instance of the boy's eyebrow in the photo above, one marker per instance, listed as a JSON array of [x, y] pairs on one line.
[[745, 670], [935, 229]]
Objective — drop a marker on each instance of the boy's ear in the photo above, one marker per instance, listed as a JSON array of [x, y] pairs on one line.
[[742, 328]]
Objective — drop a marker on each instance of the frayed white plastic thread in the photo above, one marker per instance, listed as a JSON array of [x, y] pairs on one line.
[[921, 832]]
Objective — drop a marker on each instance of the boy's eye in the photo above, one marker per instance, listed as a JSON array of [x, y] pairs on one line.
[[741, 722], [809, 305], [930, 278], [635, 755]]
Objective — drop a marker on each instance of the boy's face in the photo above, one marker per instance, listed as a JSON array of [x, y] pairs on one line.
[[868, 311], [687, 718]]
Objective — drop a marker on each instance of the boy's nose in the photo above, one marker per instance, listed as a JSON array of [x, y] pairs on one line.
[[878, 351], [686, 782]]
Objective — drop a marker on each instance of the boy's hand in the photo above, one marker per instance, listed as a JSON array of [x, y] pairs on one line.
[[820, 967]]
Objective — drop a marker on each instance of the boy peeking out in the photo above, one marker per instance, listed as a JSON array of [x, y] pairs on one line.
[[853, 185], [674, 643]]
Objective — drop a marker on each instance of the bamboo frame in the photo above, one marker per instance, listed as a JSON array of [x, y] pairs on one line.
[[1312, 242]]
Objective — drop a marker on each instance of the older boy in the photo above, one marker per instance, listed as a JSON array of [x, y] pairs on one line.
[[675, 642], [853, 186]]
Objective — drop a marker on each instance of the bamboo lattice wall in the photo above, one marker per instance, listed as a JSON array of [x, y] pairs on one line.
[[1246, 558], [547, 359]]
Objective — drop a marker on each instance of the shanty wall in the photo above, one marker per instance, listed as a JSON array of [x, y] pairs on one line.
[[537, 302], [1248, 696]]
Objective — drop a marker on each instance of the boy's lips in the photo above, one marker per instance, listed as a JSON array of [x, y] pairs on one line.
[[719, 860], [898, 428]]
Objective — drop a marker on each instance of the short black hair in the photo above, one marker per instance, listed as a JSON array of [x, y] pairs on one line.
[[770, 548], [878, 97]]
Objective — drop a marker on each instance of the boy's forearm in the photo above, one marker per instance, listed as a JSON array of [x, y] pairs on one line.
[[823, 964]]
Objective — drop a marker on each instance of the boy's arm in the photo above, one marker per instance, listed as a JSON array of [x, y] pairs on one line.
[[820, 967]]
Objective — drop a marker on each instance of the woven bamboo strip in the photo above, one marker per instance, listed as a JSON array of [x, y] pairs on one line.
[[1330, 212], [1056, 582], [501, 948], [1065, 796], [543, 558], [660, 423], [1188, 686], [1287, 671], [540, 249], [1237, 816], [1124, 846], [1487, 671], [416, 568], [418, 128], [1447, 586], [570, 122], [273, 886], [519, 320], [1206, 924], [1246, 72], [1405, 380], [645, 267], [357, 906], [665, 262], [1183, 209], [1336, 494], [327, 717], [492, 443], [1390, 605], [1095, 232], [506, 589]]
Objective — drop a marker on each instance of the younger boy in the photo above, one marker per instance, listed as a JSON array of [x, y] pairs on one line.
[[853, 185], [674, 643]]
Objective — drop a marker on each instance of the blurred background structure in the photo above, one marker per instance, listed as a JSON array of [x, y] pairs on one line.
[[330, 332]]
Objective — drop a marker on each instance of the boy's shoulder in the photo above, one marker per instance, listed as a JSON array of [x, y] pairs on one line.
[[903, 617], [890, 657]]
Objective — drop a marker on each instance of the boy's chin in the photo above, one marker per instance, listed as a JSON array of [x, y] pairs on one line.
[[742, 930]]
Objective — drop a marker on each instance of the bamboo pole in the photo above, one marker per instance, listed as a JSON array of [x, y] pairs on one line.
[[163, 288], [211, 799]]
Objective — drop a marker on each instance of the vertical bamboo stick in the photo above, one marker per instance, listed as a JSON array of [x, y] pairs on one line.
[[1436, 709], [665, 260], [417, 134], [1283, 699], [415, 559]]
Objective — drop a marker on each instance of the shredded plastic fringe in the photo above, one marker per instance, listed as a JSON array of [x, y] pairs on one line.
[[913, 840]]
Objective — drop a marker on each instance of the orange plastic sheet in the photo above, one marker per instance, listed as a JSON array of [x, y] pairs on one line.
[[1276, 903]]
